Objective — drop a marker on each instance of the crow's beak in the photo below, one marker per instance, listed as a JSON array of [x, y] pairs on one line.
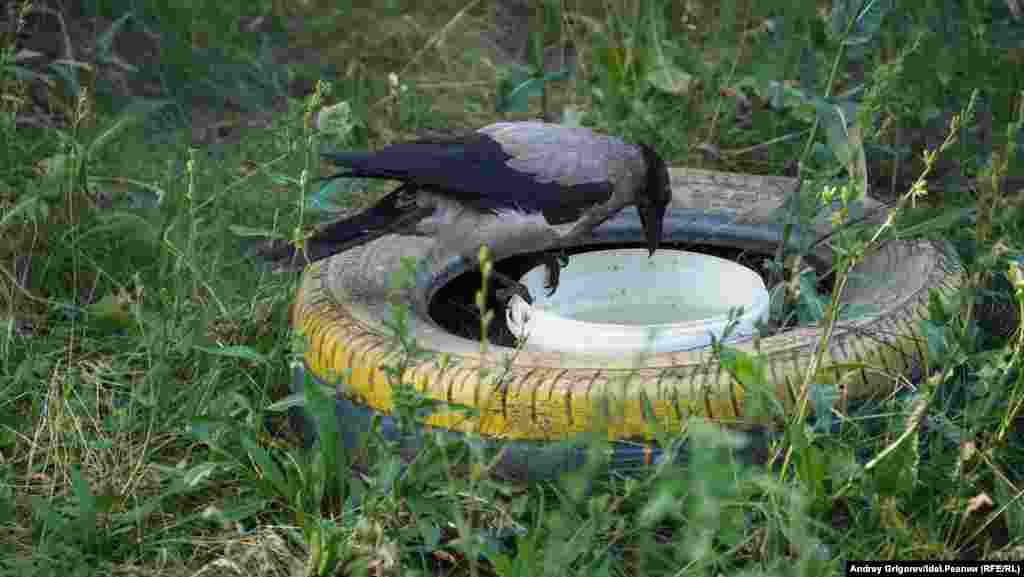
[[651, 219]]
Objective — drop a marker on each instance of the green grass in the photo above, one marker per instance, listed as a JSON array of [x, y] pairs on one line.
[[142, 352]]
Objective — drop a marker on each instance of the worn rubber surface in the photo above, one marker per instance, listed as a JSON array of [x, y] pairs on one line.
[[539, 397]]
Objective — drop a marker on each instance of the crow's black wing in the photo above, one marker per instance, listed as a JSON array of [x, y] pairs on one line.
[[527, 166], [396, 213]]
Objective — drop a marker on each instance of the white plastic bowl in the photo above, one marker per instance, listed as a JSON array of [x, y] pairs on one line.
[[622, 301]]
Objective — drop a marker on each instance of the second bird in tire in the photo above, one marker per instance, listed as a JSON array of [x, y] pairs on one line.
[[518, 187]]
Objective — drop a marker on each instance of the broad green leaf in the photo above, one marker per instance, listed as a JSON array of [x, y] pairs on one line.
[[824, 397], [124, 222], [836, 126], [557, 75], [515, 92], [292, 400], [670, 79], [56, 166], [811, 307], [269, 472], [935, 341], [134, 113], [895, 469], [87, 507], [112, 312], [24, 205], [844, 140], [938, 224]]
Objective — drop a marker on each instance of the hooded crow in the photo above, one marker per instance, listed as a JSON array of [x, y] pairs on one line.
[[518, 187]]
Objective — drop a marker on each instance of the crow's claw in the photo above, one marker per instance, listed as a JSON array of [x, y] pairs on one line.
[[554, 263]]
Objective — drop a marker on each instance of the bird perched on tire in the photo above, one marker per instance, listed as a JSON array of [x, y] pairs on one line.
[[518, 187]]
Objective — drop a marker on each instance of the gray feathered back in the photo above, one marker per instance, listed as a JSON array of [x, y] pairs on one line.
[[567, 155]]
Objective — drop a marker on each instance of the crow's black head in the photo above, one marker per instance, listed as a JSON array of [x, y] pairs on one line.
[[653, 199]]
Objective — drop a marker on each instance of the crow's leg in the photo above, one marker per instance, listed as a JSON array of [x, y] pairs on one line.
[[512, 287], [553, 261]]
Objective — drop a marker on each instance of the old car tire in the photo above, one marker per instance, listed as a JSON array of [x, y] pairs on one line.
[[530, 401]]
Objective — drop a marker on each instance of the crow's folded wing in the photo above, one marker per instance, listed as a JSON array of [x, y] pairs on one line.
[[533, 167]]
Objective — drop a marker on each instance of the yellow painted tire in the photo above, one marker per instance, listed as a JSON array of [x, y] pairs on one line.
[[344, 303]]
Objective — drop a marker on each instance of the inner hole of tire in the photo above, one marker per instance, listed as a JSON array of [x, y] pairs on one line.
[[453, 306]]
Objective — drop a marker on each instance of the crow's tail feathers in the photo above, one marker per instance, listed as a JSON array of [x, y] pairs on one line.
[[395, 213], [362, 165]]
